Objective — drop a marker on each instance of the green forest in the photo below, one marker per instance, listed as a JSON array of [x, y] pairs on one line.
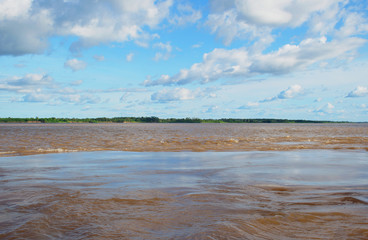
[[153, 120]]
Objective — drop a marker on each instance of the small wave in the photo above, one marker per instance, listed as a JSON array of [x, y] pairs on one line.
[[353, 200], [233, 140], [7, 152], [55, 150]]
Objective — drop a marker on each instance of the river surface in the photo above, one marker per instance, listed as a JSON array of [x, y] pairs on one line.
[[183, 181], [25, 139]]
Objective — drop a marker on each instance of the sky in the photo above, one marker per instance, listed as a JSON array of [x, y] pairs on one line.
[[289, 59]]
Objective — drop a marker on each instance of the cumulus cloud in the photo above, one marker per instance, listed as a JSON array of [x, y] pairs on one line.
[[281, 13], [129, 57], [290, 92], [42, 88], [25, 25], [186, 14], [165, 53], [75, 64], [294, 57], [240, 63], [28, 83], [354, 23], [325, 109], [34, 87], [358, 92], [227, 27], [255, 21], [216, 64], [10, 9], [180, 94], [248, 19], [22, 29]]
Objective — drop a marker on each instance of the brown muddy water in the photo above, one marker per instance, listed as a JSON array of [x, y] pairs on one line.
[[25, 139], [184, 181]]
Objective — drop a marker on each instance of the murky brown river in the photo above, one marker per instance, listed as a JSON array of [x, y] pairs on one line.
[[25, 139], [184, 181]]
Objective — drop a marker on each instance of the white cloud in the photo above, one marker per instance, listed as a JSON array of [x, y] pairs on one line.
[[124, 97], [28, 83], [27, 24], [113, 20], [80, 99], [254, 21], [227, 26], [75, 64], [329, 106], [186, 14], [249, 105], [354, 23], [176, 94], [99, 58], [294, 57], [42, 88], [252, 104], [198, 45], [250, 20], [265, 12], [164, 46], [240, 63], [76, 82], [291, 92], [10, 9], [129, 57], [216, 64], [358, 92], [36, 97], [325, 109], [23, 31], [32, 85], [166, 51], [212, 109], [282, 12]]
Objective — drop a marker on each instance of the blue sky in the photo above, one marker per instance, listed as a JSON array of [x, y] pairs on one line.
[[290, 59]]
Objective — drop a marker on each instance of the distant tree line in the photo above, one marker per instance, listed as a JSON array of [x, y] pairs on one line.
[[153, 120]]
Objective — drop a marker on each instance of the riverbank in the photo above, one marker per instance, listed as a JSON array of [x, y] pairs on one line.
[[157, 120]]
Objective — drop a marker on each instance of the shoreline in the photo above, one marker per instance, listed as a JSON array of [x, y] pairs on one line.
[[163, 120]]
